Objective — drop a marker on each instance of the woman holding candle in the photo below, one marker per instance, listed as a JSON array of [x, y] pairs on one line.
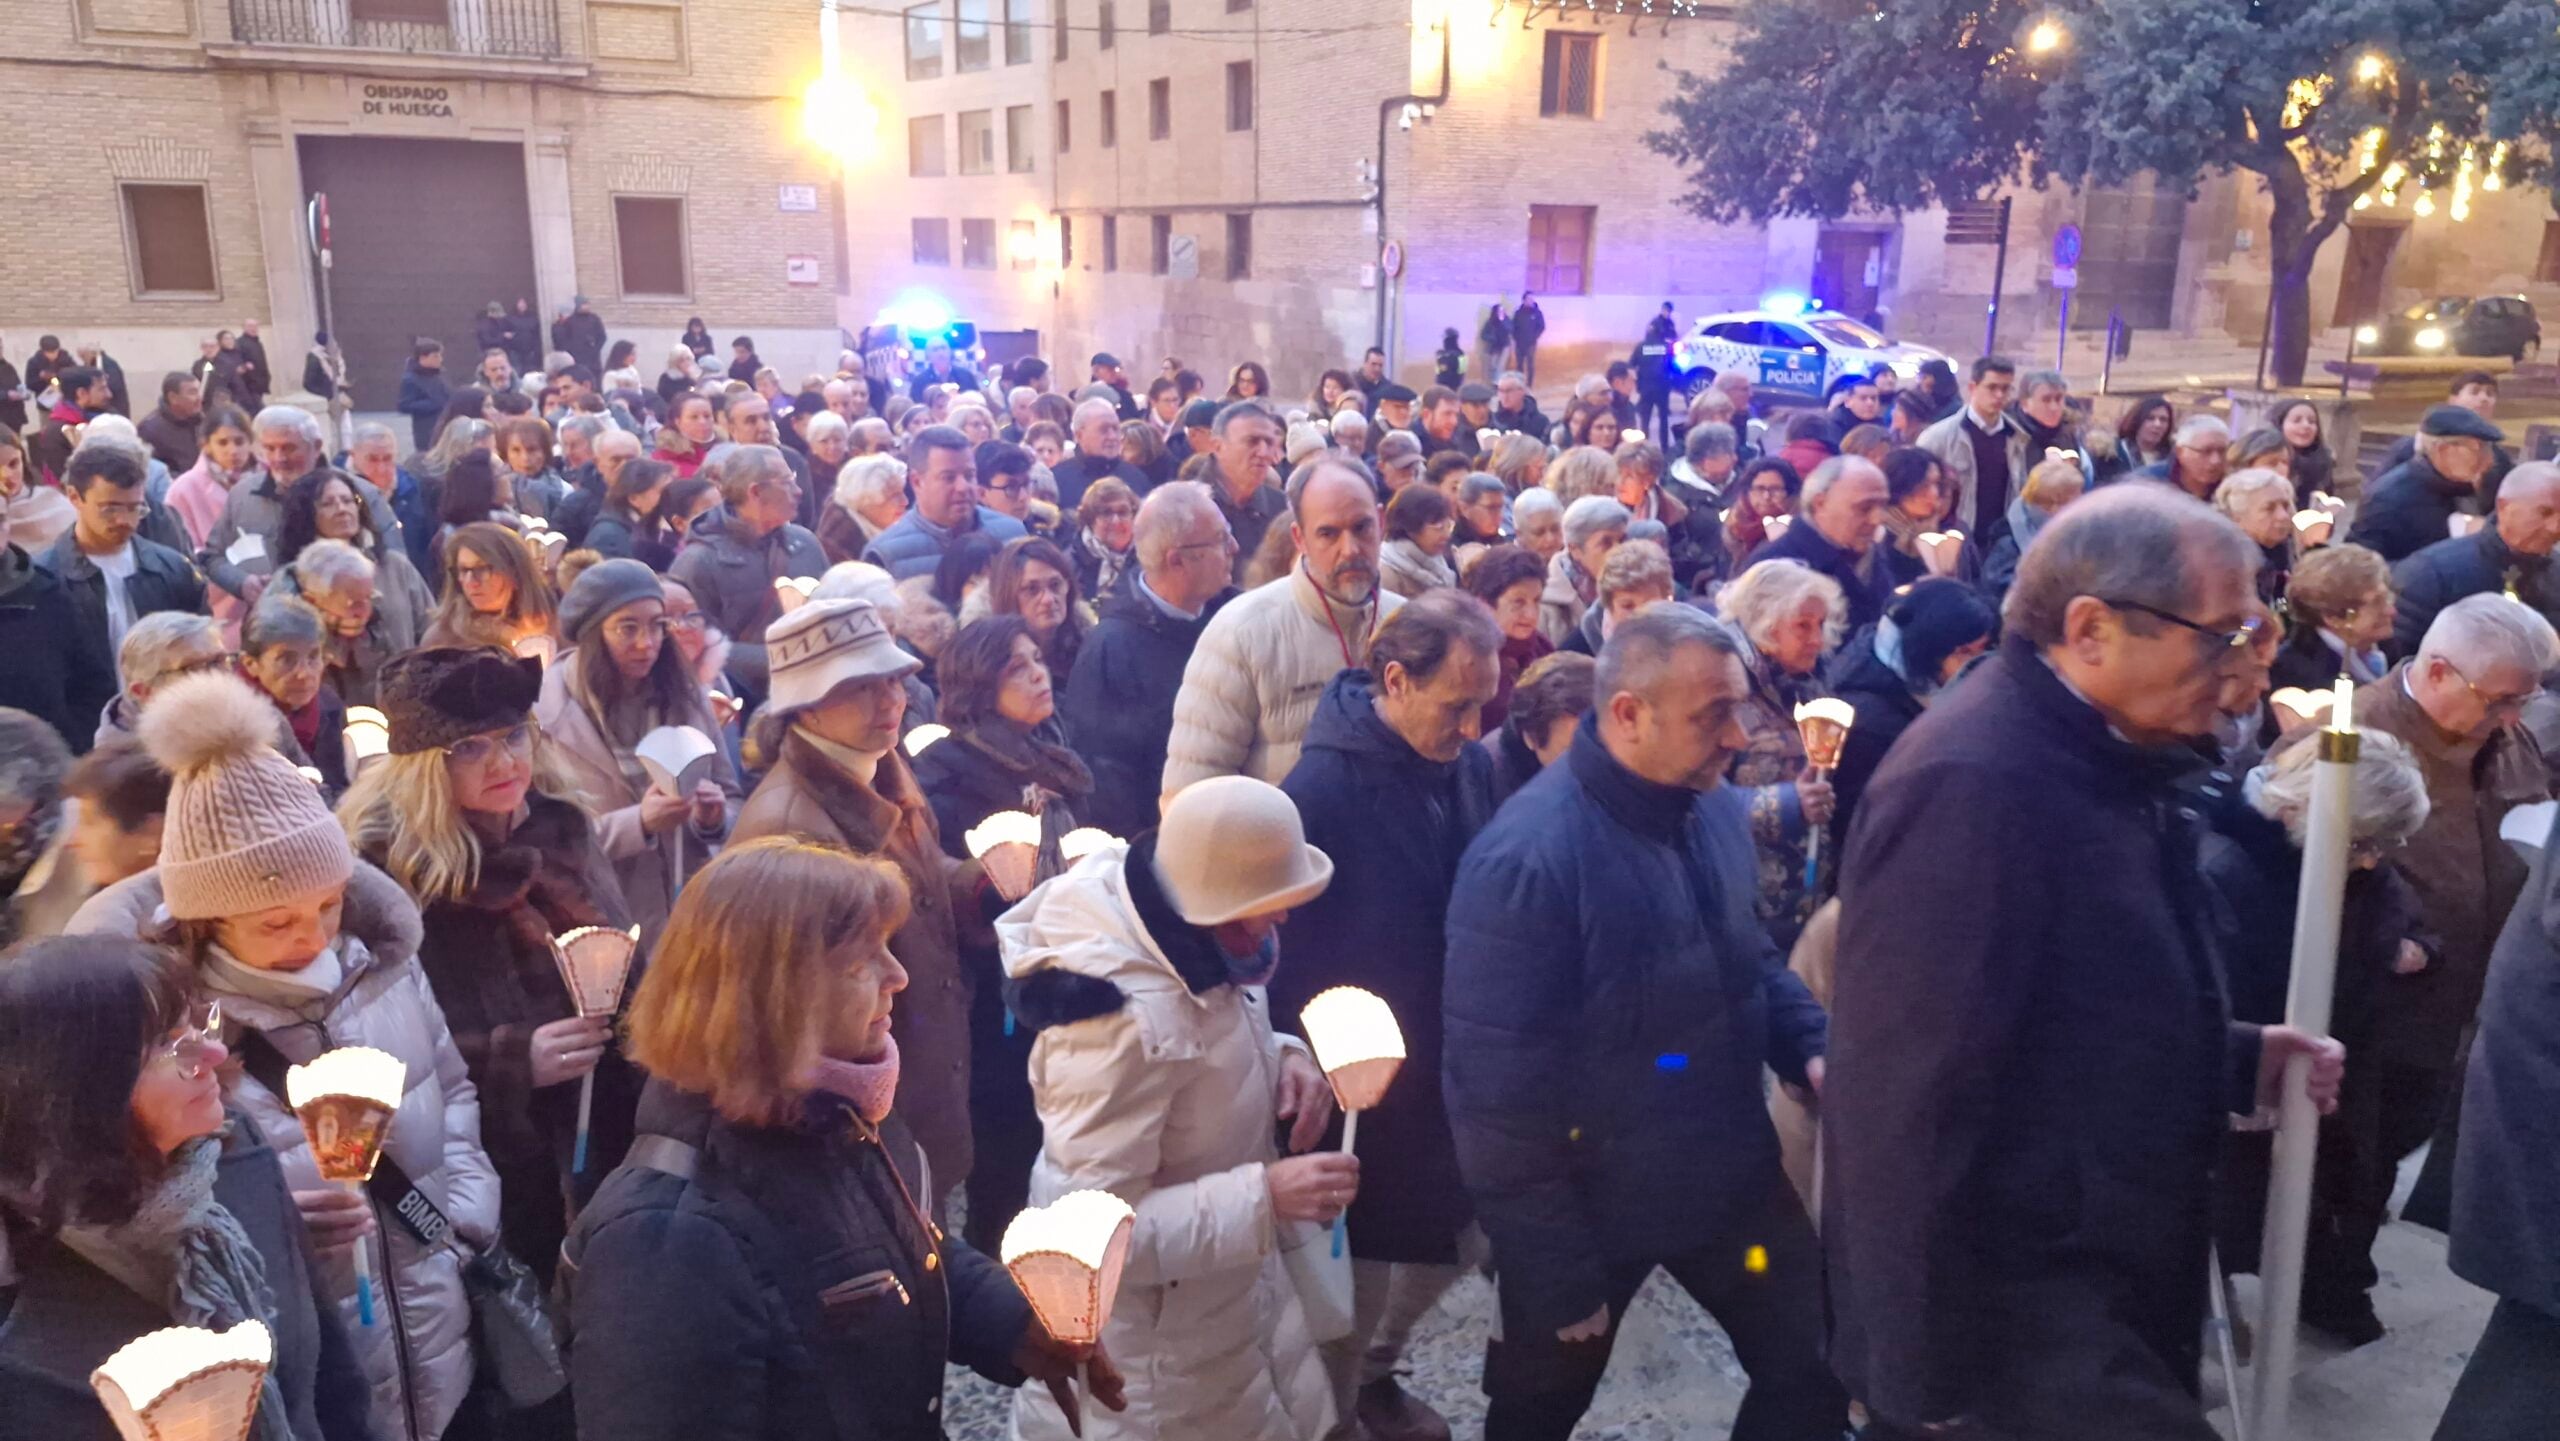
[[190, 1225], [1158, 1079], [768, 1265], [1791, 615], [476, 824], [308, 950]]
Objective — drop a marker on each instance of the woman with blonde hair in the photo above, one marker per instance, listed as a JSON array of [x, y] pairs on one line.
[[1520, 461], [1582, 470], [2055, 482], [494, 592], [773, 1149]]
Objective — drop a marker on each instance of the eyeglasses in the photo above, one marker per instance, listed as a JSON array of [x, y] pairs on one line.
[[2374, 848], [690, 621], [480, 750], [188, 1050], [469, 573], [122, 509], [2224, 640], [2490, 703], [633, 632]]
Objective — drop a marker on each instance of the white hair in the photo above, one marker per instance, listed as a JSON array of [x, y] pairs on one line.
[[860, 580], [827, 423], [1589, 516], [1833, 471], [2387, 800], [1534, 501], [1022, 395], [1093, 412], [679, 355], [371, 432], [869, 478], [323, 563], [1166, 516], [1348, 423], [289, 417], [1775, 591], [590, 426], [118, 433], [2239, 487], [2201, 427], [2479, 632], [150, 648]]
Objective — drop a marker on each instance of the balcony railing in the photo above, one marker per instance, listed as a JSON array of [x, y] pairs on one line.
[[522, 29]]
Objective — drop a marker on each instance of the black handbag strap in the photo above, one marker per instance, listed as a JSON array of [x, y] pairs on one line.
[[390, 1186]]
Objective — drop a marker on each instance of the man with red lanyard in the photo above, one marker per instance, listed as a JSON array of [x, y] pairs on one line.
[[1265, 658]]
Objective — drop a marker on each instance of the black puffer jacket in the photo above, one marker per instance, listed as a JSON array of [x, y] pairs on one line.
[[1118, 706], [792, 1288]]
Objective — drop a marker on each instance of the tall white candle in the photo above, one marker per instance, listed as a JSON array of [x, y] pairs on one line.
[[2342, 716]]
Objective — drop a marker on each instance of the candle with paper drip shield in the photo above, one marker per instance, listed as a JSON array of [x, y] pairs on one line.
[[186, 1383], [538, 646], [2314, 527], [368, 735], [1008, 845], [2296, 707], [1067, 1257], [793, 591], [1823, 725], [922, 737], [595, 964], [676, 758], [1360, 1048], [1941, 550], [345, 1100]]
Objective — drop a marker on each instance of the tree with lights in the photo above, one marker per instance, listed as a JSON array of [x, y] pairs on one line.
[[2334, 104]]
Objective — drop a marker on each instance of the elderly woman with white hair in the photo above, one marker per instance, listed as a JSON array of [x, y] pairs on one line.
[[870, 496], [1593, 526], [861, 580], [359, 635], [1350, 432], [161, 647], [1790, 615], [2199, 455], [2252, 860], [1537, 523], [2260, 502]]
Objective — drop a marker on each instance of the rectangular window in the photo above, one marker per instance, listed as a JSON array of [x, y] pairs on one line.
[[924, 40], [1159, 16], [977, 142], [1066, 242], [1569, 81], [1109, 31], [1160, 244], [1240, 246], [975, 52], [1110, 119], [169, 234], [924, 146], [1159, 110], [1017, 139], [932, 240], [1973, 222], [977, 245], [1240, 95], [2547, 266], [1066, 127], [1110, 242], [1560, 249], [1017, 32], [648, 232], [1058, 30], [1238, 7], [1025, 244]]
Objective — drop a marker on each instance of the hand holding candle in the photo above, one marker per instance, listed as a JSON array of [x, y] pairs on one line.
[[1823, 725], [1359, 1045], [345, 1100], [1067, 1257], [595, 964]]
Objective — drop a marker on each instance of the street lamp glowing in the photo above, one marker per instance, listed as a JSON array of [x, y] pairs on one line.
[[2372, 67], [839, 119], [2047, 37], [1026, 247]]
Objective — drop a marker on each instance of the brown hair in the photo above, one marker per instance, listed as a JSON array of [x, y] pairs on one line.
[[2333, 580], [1004, 597], [736, 1003], [1415, 509], [1557, 687], [121, 779], [532, 607]]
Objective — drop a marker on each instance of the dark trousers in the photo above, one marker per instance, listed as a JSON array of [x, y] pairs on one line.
[[1653, 415], [2509, 1387], [2407, 1102], [1537, 1387], [1524, 355]]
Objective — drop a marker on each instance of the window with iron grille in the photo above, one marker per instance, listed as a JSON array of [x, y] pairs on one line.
[[1160, 110], [1109, 28], [1560, 249], [924, 40], [1017, 32], [1973, 222], [1066, 127], [1160, 244], [974, 52], [977, 142], [1110, 242], [1017, 139], [1569, 81], [1024, 243], [924, 146], [169, 234], [648, 232], [1239, 95], [977, 245], [932, 240], [1240, 245]]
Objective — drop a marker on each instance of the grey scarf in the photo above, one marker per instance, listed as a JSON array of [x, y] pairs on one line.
[[184, 1248]]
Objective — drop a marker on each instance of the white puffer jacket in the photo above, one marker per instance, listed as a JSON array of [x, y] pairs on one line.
[[1168, 1103], [417, 1353], [1254, 679]]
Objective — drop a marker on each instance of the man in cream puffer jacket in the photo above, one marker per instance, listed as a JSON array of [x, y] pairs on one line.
[[1265, 659]]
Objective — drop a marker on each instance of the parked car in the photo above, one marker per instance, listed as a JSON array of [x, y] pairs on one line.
[[2459, 325], [1790, 356]]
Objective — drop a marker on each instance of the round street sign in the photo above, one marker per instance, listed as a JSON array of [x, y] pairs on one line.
[[1391, 258], [2066, 247]]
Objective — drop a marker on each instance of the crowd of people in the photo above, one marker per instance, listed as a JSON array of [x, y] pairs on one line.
[[306, 745]]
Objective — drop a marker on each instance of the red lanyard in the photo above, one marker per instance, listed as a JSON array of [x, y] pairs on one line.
[[1344, 641]]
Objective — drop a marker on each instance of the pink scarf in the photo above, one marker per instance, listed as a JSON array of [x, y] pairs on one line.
[[871, 1086]]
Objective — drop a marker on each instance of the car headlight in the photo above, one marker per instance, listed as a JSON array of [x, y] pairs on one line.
[[2367, 335], [2431, 338]]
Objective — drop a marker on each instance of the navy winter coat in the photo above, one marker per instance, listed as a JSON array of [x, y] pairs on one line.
[[1118, 705], [53, 673], [2032, 1064], [2449, 570], [2409, 508], [1395, 825], [1611, 1000]]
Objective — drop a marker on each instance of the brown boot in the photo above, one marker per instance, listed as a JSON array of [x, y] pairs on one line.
[[1388, 1412]]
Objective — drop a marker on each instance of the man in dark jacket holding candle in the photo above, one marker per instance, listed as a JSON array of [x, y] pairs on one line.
[[2030, 1082], [1610, 1002]]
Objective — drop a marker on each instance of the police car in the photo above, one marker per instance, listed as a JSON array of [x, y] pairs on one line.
[[1789, 354]]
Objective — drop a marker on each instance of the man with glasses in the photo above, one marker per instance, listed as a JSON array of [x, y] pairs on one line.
[[2031, 1064], [2413, 504], [1004, 478], [2199, 457], [1118, 706], [2457, 704], [1983, 449], [115, 576]]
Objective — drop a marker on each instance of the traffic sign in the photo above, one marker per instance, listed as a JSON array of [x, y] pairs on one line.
[[1391, 258], [2066, 248], [2066, 276]]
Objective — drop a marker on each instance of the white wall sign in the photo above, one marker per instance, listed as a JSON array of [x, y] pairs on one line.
[[1182, 258], [799, 198], [801, 270]]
